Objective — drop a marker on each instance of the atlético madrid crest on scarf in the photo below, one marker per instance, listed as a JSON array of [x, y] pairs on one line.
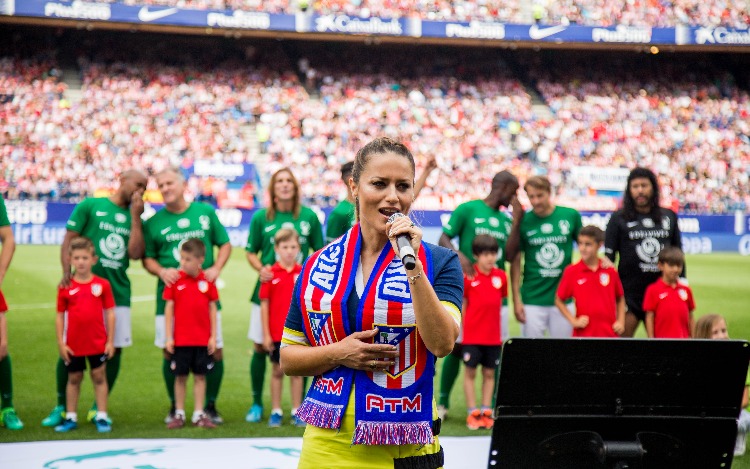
[[404, 338], [321, 326]]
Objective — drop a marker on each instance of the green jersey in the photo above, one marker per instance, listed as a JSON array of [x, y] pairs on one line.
[[262, 231], [340, 220], [107, 225], [166, 231], [474, 218], [547, 245], [3, 213]]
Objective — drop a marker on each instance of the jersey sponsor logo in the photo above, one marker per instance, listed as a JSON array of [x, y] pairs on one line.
[[547, 228], [205, 222], [73, 291], [401, 337], [663, 295], [550, 256], [581, 281], [329, 385], [648, 250], [394, 286], [203, 286], [304, 228], [120, 218], [325, 272], [101, 214], [480, 220], [632, 224], [322, 327], [393, 405], [181, 287], [475, 283], [683, 294], [494, 222], [648, 223], [96, 289], [275, 281], [497, 282], [113, 247], [665, 223], [564, 227], [183, 223], [604, 279], [166, 230], [269, 228], [531, 233]]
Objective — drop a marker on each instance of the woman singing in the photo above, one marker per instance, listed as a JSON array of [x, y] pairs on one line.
[[369, 330]]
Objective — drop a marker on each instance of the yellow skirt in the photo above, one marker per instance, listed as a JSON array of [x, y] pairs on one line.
[[331, 448]]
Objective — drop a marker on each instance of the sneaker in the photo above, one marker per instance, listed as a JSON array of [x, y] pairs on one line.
[[487, 420], [103, 425], [170, 416], [298, 422], [474, 420], [55, 418], [740, 443], [10, 420], [255, 414], [213, 414], [177, 421], [205, 422], [66, 426], [275, 420], [442, 412]]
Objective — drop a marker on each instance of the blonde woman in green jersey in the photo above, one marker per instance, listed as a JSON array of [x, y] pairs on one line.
[[285, 210]]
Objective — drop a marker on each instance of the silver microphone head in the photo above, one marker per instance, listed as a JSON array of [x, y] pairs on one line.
[[396, 215]]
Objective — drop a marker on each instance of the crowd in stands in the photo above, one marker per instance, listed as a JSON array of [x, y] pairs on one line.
[[474, 115], [653, 13]]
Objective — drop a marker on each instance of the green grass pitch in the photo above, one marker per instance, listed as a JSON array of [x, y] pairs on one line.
[[139, 403]]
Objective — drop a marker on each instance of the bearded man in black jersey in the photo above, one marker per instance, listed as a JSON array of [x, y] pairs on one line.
[[638, 232]]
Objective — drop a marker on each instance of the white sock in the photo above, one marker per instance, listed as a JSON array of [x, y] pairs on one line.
[[197, 414], [277, 411], [71, 416], [180, 412], [100, 415], [294, 411]]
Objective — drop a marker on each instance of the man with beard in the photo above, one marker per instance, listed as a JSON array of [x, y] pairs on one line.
[[638, 232]]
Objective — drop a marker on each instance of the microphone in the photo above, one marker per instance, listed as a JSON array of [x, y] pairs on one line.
[[405, 251]]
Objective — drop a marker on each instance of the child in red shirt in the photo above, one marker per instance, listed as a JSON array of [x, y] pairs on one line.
[[191, 308], [85, 325], [597, 291], [275, 298], [668, 302], [482, 337]]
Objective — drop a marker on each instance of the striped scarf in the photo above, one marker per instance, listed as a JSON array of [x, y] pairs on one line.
[[393, 407]]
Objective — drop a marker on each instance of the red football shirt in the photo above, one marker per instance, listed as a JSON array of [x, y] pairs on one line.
[[671, 307], [595, 293], [3, 304], [86, 331], [191, 296], [484, 299], [278, 291]]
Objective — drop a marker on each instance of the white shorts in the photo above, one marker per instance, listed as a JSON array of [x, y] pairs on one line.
[[255, 331], [541, 319], [504, 323], [160, 328], [123, 329]]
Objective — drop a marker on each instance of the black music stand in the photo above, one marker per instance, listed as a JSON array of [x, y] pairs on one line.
[[618, 403]]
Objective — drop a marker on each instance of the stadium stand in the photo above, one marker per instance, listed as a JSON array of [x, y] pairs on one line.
[[310, 106]]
